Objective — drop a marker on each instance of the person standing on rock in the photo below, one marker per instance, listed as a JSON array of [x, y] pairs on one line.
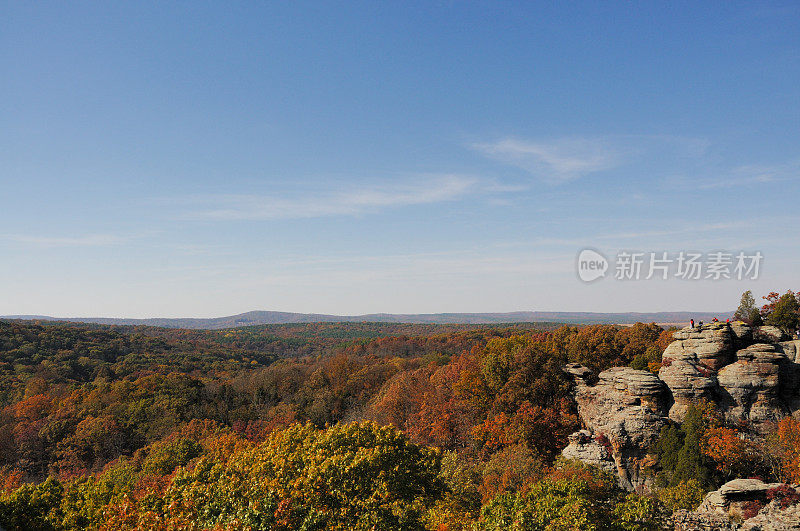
[[691, 323]]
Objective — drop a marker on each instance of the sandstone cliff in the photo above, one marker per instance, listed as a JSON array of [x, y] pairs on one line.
[[751, 375]]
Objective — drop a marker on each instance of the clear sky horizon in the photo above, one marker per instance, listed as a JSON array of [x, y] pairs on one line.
[[190, 159]]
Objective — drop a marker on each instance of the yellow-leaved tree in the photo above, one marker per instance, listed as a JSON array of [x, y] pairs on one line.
[[348, 476]]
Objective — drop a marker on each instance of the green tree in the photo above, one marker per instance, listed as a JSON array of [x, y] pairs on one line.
[[165, 456], [575, 497], [692, 463], [641, 513], [785, 314], [679, 450], [669, 443], [33, 507], [747, 310], [458, 509], [86, 497], [642, 361], [498, 360], [685, 495]]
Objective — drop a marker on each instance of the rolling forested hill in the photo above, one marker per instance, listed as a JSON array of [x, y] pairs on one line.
[[265, 318]]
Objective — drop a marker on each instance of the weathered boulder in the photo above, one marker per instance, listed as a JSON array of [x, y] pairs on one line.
[[726, 507], [733, 494], [789, 376], [591, 449], [579, 373], [624, 413], [744, 489], [695, 521], [749, 386], [755, 382], [742, 332], [624, 400], [689, 364], [774, 518], [768, 334], [789, 349], [689, 381], [710, 344], [731, 497]]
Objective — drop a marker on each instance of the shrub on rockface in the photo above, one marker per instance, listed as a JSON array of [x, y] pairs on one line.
[[685, 495], [785, 495], [650, 358]]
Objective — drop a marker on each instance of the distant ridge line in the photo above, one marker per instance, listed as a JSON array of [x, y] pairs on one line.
[[270, 317]]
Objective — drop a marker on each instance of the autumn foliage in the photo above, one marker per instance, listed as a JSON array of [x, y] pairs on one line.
[[349, 426], [788, 439]]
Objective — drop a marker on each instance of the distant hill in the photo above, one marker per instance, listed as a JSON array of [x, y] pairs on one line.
[[264, 317]]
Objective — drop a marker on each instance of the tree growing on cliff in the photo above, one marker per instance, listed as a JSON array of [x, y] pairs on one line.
[[784, 313], [692, 463], [747, 310], [734, 455], [680, 449], [649, 359], [685, 495], [788, 446]]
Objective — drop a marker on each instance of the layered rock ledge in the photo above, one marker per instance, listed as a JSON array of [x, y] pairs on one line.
[[726, 508]]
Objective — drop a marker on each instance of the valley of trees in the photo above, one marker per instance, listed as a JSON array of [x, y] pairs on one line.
[[339, 426]]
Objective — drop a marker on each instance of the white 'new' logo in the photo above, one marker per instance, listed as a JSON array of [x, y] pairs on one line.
[[591, 265]]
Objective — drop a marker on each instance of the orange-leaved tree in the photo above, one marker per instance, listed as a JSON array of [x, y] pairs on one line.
[[727, 449], [789, 447]]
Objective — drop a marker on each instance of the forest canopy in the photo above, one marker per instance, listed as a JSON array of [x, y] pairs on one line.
[[330, 426]]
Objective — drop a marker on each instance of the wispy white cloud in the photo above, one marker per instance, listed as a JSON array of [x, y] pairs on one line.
[[90, 240], [499, 187], [561, 160], [685, 234], [353, 201], [554, 161], [353, 269], [753, 174], [700, 228]]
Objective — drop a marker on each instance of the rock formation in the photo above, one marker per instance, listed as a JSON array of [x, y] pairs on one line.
[[690, 362], [727, 508], [623, 413], [748, 387], [750, 374]]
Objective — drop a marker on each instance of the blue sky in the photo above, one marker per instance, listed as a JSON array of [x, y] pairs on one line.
[[202, 159]]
